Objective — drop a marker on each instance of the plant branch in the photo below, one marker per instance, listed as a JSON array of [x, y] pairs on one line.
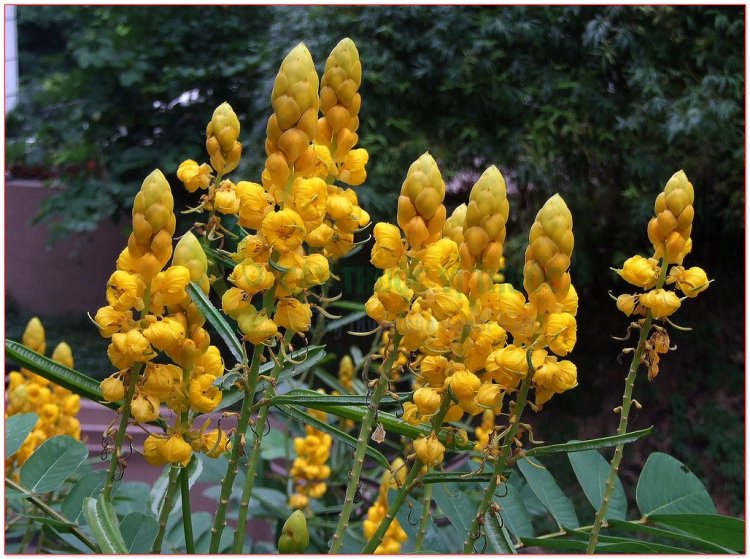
[[166, 507], [425, 519], [187, 518]]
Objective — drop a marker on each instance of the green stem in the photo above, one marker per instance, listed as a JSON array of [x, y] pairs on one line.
[[359, 453], [254, 460], [501, 463], [424, 521], [627, 402], [166, 507], [239, 437], [394, 507], [52, 513], [187, 518], [125, 414]]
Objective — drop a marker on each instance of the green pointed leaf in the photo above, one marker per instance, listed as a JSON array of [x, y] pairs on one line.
[[102, 520], [214, 316], [348, 305], [408, 517], [457, 506], [139, 532], [310, 397], [345, 438], [497, 536], [514, 511], [17, 428], [591, 444], [159, 489], [52, 463], [227, 381], [667, 486], [334, 325], [456, 477], [619, 525], [721, 530], [592, 471], [88, 486], [549, 493]]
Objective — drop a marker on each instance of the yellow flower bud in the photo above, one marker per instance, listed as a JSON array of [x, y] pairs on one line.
[[433, 368], [430, 450], [441, 261], [627, 303], [427, 400], [144, 407], [226, 199], [175, 450], [283, 230], [691, 281], [63, 355], [34, 337], [151, 451], [421, 214], [252, 277], [160, 380], [640, 271], [353, 169], [221, 139], [165, 334], [463, 385], [112, 389], [194, 176], [489, 396], [661, 303], [320, 236], [293, 315], [189, 254], [669, 231]]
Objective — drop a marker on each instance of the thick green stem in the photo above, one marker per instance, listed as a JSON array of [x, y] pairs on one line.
[[52, 513], [403, 491], [502, 459], [627, 402], [166, 507], [424, 521], [254, 460], [187, 518], [359, 453]]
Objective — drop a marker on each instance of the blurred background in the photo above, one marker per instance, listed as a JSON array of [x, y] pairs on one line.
[[600, 104]]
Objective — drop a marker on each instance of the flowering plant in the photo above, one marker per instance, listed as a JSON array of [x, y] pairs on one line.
[[206, 380]]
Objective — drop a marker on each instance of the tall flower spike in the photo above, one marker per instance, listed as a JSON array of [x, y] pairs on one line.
[[340, 100], [221, 139], [484, 223], [292, 126], [545, 274], [150, 243], [421, 213], [669, 231]]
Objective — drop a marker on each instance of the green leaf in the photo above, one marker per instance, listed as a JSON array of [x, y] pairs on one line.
[[87, 486], [334, 325], [213, 315], [276, 444], [549, 493], [348, 305], [497, 535], [667, 486], [669, 534], [17, 428], [591, 444], [54, 522], [139, 532], [159, 489], [592, 471], [457, 506], [71, 379], [345, 438], [227, 381], [408, 517], [131, 496], [456, 477], [311, 397], [52, 463], [102, 520], [514, 511], [721, 530]]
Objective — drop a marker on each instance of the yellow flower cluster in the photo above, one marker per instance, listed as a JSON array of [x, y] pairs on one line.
[[669, 232], [27, 392], [297, 202], [437, 290], [395, 535], [168, 324], [310, 469]]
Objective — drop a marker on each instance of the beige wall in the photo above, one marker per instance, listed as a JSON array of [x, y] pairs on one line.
[[69, 276]]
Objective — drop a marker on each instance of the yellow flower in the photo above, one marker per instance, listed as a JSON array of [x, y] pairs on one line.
[[129, 348], [627, 303], [284, 230], [315, 270], [194, 176], [433, 368], [293, 315], [554, 377], [309, 197], [389, 248], [297, 501], [209, 363], [560, 332], [375, 309], [226, 199], [125, 291], [504, 304], [320, 236], [464, 385], [215, 443], [570, 302], [489, 396], [112, 389], [353, 170], [160, 380], [221, 139], [34, 337], [430, 450], [204, 396], [441, 261], [235, 302], [393, 291], [111, 321], [507, 366], [152, 450], [661, 303], [252, 277], [416, 327], [144, 407], [256, 326], [427, 400], [324, 166], [175, 450], [255, 204], [691, 281], [640, 271], [165, 334], [252, 248], [669, 231], [49, 413]]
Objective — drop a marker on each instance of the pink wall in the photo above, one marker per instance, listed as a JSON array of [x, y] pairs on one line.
[[67, 277]]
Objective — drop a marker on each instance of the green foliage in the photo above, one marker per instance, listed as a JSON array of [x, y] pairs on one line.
[[17, 428], [52, 463]]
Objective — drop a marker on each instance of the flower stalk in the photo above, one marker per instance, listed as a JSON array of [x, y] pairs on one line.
[[359, 453], [166, 507], [424, 519], [187, 519]]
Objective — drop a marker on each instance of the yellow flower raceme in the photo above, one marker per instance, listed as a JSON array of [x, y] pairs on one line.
[[669, 231], [221, 139], [194, 176], [421, 213], [545, 274], [660, 302]]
